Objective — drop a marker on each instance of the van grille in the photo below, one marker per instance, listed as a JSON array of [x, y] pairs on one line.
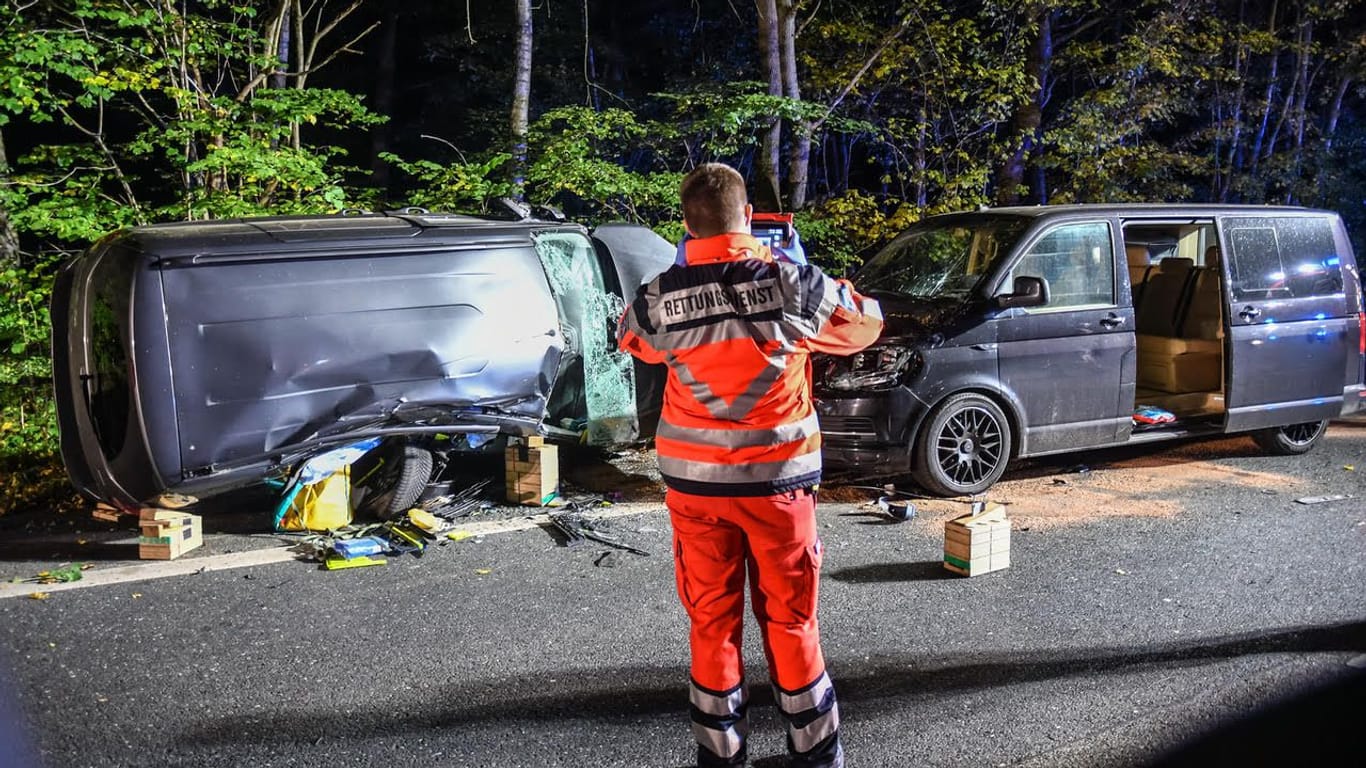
[[847, 425]]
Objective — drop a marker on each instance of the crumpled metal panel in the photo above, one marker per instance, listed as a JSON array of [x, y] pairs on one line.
[[270, 352]]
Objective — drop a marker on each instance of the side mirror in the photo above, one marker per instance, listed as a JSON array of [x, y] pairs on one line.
[[1026, 292]]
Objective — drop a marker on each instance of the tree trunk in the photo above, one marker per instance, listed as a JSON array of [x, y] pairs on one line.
[[383, 95], [9, 239], [1233, 165], [1270, 99], [767, 196], [521, 96], [282, 45], [1335, 111], [1301, 110], [1028, 116], [799, 156], [921, 165]]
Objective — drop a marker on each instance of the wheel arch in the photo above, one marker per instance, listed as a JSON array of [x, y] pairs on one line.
[[1008, 405]]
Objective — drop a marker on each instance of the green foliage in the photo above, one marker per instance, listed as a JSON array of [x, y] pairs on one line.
[[726, 120], [584, 153], [456, 186], [199, 135], [27, 414], [840, 232]]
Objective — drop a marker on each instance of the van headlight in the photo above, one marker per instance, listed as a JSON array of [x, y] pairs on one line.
[[873, 368]]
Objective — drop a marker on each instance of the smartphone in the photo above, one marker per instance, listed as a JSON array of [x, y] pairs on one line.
[[772, 229]]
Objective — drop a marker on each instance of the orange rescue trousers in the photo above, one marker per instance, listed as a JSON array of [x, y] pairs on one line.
[[718, 542]]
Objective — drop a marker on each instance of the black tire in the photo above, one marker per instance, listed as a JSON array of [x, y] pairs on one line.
[[397, 483], [1292, 439], [964, 447]]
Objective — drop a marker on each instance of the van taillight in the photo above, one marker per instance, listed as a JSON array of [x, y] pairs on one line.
[[1361, 333]]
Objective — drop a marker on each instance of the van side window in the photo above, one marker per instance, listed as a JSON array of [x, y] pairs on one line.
[[108, 392], [1283, 257], [1078, 262]]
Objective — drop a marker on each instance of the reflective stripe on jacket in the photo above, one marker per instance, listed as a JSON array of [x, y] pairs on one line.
[[736, 330]]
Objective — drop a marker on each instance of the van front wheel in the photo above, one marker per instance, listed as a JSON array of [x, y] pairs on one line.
[[1292, 439], [964, 447]]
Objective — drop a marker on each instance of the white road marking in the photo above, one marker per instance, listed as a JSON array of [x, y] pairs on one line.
[[160, 569]]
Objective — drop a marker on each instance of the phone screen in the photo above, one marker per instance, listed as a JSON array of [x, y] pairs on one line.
[[770, 235]]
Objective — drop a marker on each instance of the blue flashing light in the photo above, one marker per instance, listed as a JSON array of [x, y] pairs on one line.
[[1333, 262], [1320, 316]]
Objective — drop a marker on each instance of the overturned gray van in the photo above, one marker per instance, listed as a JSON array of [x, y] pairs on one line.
[[1026, 331], [194, 358]]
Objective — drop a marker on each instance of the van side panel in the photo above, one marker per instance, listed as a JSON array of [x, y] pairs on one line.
[[1288, 316], [273, 350]]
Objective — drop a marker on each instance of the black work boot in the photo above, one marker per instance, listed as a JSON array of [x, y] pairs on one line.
[[829, 753]]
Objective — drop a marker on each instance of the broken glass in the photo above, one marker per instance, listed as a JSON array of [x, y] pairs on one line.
[[589, 314]]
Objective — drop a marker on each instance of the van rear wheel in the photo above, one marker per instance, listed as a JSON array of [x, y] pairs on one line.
[[964, 448], [1292, 439]]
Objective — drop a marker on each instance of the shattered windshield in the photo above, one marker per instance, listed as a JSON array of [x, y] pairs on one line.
[[941, 259]]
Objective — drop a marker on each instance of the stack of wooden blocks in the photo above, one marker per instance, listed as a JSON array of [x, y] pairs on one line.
[[166, 534], [978, 542], [532, 472]]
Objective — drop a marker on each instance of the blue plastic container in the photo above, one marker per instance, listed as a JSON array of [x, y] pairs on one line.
[[349, 548]]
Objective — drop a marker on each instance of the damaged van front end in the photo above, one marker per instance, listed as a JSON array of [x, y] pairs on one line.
[[871, 403]]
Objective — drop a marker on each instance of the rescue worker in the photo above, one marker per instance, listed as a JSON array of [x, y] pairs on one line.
[[739, 449]]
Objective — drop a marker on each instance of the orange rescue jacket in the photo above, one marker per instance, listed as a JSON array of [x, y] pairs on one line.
[[736, 330]]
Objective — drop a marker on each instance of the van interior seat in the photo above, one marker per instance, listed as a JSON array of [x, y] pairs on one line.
[[1203, 314], [1139, 266], [1169, 358], [1162, 297]]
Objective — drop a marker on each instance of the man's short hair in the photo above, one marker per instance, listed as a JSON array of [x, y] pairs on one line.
[[714, 200]]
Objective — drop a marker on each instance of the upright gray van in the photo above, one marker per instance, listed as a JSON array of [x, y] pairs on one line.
[[1018, 332]]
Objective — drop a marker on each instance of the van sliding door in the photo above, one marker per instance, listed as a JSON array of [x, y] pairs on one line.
[[1287, 321]]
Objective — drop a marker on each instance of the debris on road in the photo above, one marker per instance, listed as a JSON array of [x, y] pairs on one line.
[[457, 505], [900, 511], [167, 534], [1322, 499], [71, 572], [532, 472], [348, 549], [576, 527], [337, 562], [978, 542]]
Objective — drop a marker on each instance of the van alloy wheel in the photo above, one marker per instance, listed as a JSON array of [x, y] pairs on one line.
[[1292, 439], [964, 448]]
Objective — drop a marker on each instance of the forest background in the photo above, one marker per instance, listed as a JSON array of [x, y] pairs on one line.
[[859, 115]]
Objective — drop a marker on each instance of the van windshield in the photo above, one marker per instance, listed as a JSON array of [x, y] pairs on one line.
[[941, 258]]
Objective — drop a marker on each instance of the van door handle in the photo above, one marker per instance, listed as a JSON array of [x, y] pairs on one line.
[[984, 347], [1250, 313], [1112, 321]]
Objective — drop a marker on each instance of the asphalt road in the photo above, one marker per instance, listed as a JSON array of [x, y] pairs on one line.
[[1157, 596]]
